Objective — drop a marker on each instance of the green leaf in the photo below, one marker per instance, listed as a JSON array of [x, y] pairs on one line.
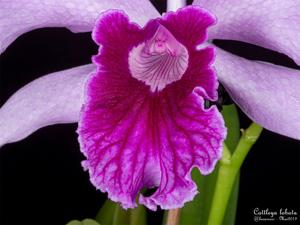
[[74, 222], [230, 115], [164, 222], [113, 214], [83, 222], [229, 218], [121, 216], [138, 216], [106, 213], [89, 222]]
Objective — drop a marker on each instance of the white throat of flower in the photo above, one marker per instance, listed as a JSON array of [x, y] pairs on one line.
[[159, 61], [173, 5]]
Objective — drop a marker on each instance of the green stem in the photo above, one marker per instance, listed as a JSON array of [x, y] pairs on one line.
[[138, 216], [231, 118], [106, 213], [229, 168], [248, 139], [173, 216], [121, 216]]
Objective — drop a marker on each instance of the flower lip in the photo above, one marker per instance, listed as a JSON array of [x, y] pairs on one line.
[[158, 61], [134, 139]]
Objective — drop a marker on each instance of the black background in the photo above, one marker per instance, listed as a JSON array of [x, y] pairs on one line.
[[41, 179]]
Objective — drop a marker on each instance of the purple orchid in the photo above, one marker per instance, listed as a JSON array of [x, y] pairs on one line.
[[142, 122]]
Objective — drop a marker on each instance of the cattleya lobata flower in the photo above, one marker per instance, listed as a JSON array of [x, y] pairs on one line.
[[144, 123], [142, 120]]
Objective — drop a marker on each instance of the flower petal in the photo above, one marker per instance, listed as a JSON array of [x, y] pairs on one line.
[[134, 141], [134, 138], [20, 16], [54, 98], [189, 25], [268, 94], [272, 24], [190, 136]]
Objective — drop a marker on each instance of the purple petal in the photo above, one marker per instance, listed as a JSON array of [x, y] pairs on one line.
[[20, 16], [190, 136], [189, 25], [272, 24], [135, 138], [54, 98], [268, 94]]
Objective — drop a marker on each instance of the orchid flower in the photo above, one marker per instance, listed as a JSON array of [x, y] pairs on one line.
[[140, 109]]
